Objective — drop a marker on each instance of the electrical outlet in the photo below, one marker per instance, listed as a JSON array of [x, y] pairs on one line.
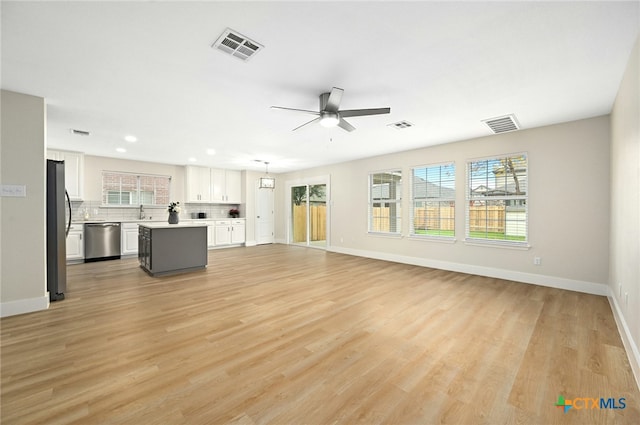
[[537, 261], [626, 299], [620, 290]]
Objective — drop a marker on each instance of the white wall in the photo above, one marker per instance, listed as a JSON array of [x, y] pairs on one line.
[[23, 286], [568, 207], [625, 207]]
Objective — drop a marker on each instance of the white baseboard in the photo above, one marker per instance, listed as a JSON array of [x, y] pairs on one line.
[[536, 279], [250, 243], [631, 347], [29, 305]]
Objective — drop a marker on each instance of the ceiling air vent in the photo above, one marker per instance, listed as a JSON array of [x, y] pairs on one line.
[[502, 124], [79, 132], [236, 44], [400, 125]]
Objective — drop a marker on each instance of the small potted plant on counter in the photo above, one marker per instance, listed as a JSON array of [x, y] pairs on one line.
[[174, 210], [234, 213]]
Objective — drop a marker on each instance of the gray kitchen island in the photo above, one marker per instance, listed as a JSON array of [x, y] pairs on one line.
[[172, 248]]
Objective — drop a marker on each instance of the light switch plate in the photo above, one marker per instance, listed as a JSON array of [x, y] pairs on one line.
[[13, 190]]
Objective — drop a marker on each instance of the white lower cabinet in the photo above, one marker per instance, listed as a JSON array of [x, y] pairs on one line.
[[223, 232], [230, 232], [75, 243], [211, 233], [237, 231], [129, 240]]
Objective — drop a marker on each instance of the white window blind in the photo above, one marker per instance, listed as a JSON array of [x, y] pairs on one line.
[[497, 191], [433, 198], [385, 202], [124, 189]]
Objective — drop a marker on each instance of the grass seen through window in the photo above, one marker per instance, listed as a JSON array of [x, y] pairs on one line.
[[473, 235]]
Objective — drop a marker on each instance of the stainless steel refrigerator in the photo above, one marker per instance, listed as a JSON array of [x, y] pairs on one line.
[[57, 229]]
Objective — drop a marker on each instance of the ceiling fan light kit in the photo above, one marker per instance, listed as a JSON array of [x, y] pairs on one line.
[[330, 114], [329, 119]]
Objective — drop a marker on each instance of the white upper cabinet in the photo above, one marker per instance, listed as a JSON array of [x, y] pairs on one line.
[[233, 184], [226, 186], [73, 172], [218, 185], [213, 185], [198, 184]]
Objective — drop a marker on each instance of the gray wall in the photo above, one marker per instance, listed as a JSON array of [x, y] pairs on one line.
[[23, 285], [625, 205], [568, 207]]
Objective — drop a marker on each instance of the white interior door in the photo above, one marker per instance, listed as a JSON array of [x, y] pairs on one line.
[[264, 216]]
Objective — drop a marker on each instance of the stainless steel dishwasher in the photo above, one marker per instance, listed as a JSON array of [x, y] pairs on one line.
[[101, 241]]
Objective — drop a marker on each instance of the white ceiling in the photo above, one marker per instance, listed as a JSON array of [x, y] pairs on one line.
[[148, 69]]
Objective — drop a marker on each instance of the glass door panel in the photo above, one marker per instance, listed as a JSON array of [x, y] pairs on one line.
[[318, 215], [309, 215], [299, 214]]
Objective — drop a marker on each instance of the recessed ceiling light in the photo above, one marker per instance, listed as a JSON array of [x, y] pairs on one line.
[[131, 139], [121, 150], [192, 159], [211, 151]]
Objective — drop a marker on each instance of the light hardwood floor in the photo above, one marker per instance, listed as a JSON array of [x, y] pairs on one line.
[[290, 335]]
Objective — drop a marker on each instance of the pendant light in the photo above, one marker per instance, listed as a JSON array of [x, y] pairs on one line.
[[267, 182]]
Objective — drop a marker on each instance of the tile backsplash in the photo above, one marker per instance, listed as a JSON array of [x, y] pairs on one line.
[[93, 210]]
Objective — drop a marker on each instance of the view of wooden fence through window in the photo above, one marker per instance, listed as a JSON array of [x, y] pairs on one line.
[[440, 220], [497, 198], [433, 200], [311, 200], [385, 202], [435, 220], [317, 224]]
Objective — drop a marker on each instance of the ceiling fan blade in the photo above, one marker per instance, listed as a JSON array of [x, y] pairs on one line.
[[333, 102], [308, 122], [363, 112], [345, 125], [298, 110]]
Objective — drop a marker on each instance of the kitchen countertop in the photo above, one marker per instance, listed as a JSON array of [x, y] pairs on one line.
[[165, 225], [145, 221]]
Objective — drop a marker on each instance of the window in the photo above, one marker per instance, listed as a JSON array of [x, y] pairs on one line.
[[385, 198], [497, 199], [125, 189], [433, 200]]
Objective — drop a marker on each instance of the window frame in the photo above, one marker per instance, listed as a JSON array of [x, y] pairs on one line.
[[524, 198], [451, 199], [134, 194], [397, 202]]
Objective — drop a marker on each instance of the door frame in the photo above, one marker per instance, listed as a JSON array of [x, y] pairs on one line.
[[324, 179]]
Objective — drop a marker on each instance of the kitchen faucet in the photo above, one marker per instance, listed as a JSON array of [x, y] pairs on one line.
[[142, 216]]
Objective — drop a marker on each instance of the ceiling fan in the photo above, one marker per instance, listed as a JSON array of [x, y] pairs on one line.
[[330, 114]]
